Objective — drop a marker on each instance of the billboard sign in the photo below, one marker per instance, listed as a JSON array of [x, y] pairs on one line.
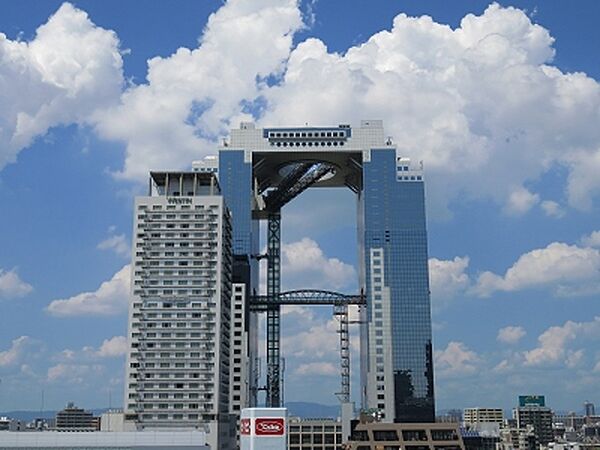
[[263, 429], [532, 400]]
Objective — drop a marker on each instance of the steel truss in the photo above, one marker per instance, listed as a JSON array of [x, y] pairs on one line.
[[305, 297], [300, 178], [272, 302]]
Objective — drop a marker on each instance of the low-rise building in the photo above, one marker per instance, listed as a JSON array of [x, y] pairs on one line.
[[76, 419], [8, 424], [513, 438], [406, 436], [472, 416], [315, 434], [139, 440]]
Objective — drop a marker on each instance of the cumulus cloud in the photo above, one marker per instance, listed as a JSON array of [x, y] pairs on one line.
[[592, 239], [552, 209], [109, 299], [448, 277], [113, 347], [71, 69], [16, 351], [520, 201], [480, 104], [510, 334], [303, 264], [117, 243], [318, 340], [566, 269], [555, 341], [456, 359], [11, 285], [193, 96]]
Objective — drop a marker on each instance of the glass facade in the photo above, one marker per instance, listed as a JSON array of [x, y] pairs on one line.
[[235, 180], [393, 226], [396, 350]]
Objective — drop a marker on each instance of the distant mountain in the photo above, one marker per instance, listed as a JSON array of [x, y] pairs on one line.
[[307, 410]]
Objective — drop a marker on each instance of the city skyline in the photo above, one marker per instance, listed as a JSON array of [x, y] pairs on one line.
[[505, 129]]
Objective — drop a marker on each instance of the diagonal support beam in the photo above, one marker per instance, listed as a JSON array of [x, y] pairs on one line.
[[297, 181]]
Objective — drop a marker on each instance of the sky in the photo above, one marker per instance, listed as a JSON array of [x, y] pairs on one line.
[[501, 102]]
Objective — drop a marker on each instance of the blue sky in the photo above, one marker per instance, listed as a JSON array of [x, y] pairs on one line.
[[500, 101]]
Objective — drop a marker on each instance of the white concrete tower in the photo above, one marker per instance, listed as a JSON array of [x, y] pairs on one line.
[[178, 362]]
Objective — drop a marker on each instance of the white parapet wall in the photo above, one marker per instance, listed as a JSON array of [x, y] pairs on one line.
[[142, 440]]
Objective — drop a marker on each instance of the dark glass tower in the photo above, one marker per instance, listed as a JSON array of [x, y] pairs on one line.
[[393, 241], [396, 351]]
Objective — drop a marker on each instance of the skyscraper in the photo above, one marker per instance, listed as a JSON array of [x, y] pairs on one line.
[[178, 364], [396, 351]]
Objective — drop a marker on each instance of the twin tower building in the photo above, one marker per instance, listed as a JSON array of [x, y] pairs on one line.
[[193, 335]]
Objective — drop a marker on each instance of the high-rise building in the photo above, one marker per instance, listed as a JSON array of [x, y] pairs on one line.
[[178, 364], [396, 352], [590, 409], [532, 410]]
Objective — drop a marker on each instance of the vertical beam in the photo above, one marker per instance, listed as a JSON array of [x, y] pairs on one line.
[[273, 311], [341, 311]]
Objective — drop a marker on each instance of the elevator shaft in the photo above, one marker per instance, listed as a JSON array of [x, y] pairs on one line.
[[273, 311]]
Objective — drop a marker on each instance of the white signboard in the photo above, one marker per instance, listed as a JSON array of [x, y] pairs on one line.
[[263, 429]]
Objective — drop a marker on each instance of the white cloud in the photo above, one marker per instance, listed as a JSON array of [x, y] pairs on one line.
[[318, 340], [304, 265], [552, 209], [456, 359], [109, 299], [480, 104], [68, 71], [72, 373], [194, 96], [555, 341], [11, 285], [520, 201], [448, 278], [113, 347], [317, 368], [510, 334], [16, 351], [118, 244], [566, 269], [503, 366], [592, 239], [574, 358]]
